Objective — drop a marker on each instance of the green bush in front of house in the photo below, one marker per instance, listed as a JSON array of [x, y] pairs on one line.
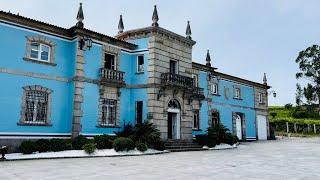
[[79, 141], [141, 146], [58, 145], [123, 144], [27, 147], [42, 145], [103, 141], [89, 148]]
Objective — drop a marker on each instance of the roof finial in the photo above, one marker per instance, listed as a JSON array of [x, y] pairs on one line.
[[208, 59], [155, 17], [80, 17], [188, 31], [265, 81], [120, 25]]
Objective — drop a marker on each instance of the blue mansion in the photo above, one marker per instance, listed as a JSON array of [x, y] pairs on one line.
[[59, 83]]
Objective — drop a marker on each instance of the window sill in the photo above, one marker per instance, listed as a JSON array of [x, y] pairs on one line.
[[140, 72], [196, 129], [39, 62], [237, 98], [33, 124], [215, 94], [107, 126]]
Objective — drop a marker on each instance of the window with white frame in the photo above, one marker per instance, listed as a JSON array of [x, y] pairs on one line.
[[214, 88], [195, 80], [109, 61], [237, 93], [260, 98], [196, 119], [140, 64], [40, 52], [109, 112], [35, 106]]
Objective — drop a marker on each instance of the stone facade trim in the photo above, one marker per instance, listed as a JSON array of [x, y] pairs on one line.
[[23, 106]]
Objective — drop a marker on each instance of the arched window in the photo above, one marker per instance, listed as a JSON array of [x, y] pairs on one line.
[[174, 104], [215, 118]]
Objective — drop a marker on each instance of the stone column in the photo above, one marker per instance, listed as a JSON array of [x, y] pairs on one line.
[[77, 94]]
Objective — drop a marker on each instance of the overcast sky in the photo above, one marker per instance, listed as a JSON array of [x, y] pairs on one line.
[[246, 38]]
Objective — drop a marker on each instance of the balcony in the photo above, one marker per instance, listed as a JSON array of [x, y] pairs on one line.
[[169, 79], [112, 77], [198, 93]]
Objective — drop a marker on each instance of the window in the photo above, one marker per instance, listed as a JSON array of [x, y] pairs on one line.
[[215, 118], [109, 62], [35, 106], [260, 98], [214, 88], [196, 119], [140, 63], [139, 110], [237, 94], [195, 80], [173, 67], [109, 112], [40, 52]]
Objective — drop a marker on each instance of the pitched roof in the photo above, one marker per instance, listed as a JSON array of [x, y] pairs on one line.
[[70, 33]]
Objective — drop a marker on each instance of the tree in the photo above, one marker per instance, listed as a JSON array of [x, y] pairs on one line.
[[309, 66], [299, 95], [309, 94]]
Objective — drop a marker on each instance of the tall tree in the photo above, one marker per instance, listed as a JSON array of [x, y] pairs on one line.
[[309, 94], [299, 95], [309, 66]]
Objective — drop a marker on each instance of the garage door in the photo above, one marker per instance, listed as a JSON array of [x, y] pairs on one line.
[[262, 127]]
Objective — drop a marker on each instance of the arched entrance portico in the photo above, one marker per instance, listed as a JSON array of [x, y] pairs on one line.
[[174, 126]]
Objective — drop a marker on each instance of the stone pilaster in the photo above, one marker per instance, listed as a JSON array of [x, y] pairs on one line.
[[77, 94]]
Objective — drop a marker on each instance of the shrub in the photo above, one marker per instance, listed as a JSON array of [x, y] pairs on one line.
[[230, 139], [288, 106], [123, 144], [126, 132], [273, 114], [141, 146], [204, 140], [79, 142], [146, 133], [159, 145], [58, 145], [27, 147], [89, 148], [216, 134], [300, 114], [103, 141], [42, 145]]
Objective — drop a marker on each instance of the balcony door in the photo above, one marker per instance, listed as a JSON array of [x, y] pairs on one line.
[[109, 62], [173, 67]]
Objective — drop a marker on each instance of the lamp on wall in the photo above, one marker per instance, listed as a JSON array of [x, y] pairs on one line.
[[273, 92], [85, 43]]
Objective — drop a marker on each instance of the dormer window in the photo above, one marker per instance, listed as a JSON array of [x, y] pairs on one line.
[[140, 64], [40, 52]]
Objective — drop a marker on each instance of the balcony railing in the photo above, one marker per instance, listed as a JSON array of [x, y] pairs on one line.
[[111, 76], [198, 93], [176, 80]]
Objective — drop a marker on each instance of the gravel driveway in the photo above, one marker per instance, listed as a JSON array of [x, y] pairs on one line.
[[295, 158]]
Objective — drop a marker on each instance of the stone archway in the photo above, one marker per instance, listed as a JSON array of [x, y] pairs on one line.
[[174, 119]]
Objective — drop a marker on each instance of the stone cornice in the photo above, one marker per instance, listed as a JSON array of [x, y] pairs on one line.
[[147, 31]]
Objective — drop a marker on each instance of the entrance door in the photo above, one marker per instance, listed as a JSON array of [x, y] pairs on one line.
[[173, 124], [262, 127], [239, 127]]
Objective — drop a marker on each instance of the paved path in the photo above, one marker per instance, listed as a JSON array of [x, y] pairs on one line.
[[281, 159]]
